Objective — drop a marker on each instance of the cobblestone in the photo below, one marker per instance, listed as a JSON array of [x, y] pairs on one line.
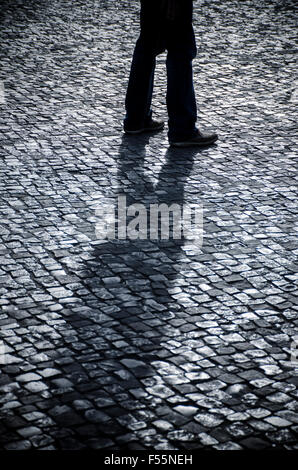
[[145, 344]]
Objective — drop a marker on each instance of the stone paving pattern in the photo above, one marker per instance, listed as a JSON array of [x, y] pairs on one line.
[[143, 344]]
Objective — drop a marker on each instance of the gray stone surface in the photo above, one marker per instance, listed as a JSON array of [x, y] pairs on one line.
[[146, 344]]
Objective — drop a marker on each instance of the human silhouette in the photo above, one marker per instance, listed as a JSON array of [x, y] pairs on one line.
[[165, 25]]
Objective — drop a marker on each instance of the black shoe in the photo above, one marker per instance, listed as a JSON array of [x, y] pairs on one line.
[[200, 140], [150, 126]]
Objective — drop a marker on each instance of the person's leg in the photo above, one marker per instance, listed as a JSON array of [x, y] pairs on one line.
[[140, 87], [181, 101]]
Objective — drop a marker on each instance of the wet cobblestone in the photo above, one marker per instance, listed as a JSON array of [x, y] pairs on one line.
[[143, 344]]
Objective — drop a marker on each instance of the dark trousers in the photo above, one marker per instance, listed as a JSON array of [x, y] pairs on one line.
[[179, 41]]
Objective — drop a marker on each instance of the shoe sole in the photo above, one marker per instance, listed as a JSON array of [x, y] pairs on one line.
[[145, 129], [193, 144]]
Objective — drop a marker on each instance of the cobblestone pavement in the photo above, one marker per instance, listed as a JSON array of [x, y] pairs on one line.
[[146, 344]]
